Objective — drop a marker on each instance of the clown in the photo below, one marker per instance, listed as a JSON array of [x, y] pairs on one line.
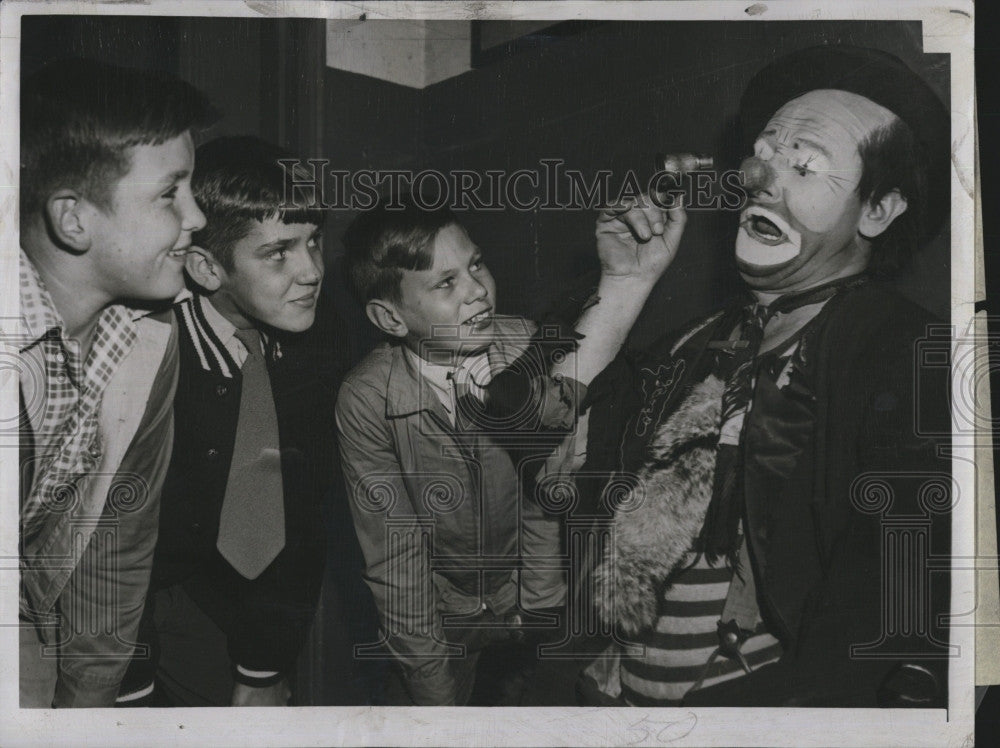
[[749, 562]]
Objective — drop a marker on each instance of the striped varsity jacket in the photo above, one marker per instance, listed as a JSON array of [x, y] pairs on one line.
[[266, 620]]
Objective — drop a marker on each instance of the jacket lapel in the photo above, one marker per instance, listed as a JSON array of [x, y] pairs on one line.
[[211, 353]]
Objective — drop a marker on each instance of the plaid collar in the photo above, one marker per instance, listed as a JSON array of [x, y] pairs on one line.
[[40, 320], [68, 423], [39, 316]]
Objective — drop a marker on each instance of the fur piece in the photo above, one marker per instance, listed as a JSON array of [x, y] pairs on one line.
[[652, 539]]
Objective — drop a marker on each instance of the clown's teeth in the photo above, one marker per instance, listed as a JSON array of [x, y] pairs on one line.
[[755, 211], [481, 317]]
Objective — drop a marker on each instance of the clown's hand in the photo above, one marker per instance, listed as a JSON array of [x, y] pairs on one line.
[[638, 239]]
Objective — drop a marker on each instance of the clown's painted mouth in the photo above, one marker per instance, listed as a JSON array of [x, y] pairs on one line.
[[765, 240], [765, 226]]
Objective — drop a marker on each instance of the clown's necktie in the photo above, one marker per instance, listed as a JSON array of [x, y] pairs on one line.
[[737, 364], [739, 382]]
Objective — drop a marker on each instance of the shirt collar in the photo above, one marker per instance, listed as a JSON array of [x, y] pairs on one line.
[[38, 312], [442, 375], [222, 327], [408, 392]]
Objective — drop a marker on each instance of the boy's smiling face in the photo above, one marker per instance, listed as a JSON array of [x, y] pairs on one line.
[[140, 240], [275, 277], [450, 305]]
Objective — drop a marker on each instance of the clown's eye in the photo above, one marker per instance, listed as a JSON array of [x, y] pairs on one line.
[[803, 168]]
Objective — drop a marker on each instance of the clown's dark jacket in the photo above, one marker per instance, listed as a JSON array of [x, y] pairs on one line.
[[823, 507]]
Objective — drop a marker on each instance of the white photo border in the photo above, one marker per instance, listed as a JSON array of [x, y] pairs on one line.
[[947, 27]]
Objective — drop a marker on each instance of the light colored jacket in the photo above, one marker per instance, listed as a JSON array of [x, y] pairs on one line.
[[86, 572], [438, 511]]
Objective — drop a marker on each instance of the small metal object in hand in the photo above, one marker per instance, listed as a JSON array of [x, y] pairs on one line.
[[684, 162]]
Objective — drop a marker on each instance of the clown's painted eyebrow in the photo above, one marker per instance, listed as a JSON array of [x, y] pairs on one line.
[[816, 146], [784, 137]]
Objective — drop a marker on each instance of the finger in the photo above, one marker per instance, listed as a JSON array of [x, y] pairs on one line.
[[613, 211], [676, 220], [643, 217], [647, 218], [642, 222], [656, 217], [624, 219]]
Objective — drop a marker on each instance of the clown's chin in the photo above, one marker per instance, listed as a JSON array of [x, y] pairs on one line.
[[758, 255]]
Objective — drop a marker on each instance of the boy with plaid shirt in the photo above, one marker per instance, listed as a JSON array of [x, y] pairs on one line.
[[106, 215]]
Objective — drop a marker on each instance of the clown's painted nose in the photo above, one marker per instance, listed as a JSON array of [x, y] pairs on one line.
[[758, 176]]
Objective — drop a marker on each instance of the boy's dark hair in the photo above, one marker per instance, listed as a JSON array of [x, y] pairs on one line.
[[891, 159], [80, 118], [238, 180], [383, 242]]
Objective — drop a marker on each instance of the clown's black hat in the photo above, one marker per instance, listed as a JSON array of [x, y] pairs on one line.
[[874, 74]]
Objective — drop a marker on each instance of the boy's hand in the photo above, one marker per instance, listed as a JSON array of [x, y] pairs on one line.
[[638, 240], [276, 695]]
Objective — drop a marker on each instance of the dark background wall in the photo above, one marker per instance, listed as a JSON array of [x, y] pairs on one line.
[[264, 75], [607, 98]]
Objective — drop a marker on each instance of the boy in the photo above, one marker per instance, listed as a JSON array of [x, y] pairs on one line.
[[239, 560], [427, 467], [106, 215]]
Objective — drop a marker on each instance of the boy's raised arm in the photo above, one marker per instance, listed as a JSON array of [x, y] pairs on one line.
[[636, 243]]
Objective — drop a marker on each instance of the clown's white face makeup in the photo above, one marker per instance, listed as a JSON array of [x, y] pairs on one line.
[[800, 226]]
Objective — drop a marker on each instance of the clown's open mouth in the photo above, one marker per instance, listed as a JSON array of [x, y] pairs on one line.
[[765, 239], [765, 226]]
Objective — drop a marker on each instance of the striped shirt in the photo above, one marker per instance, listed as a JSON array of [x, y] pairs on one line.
[[681, 651]]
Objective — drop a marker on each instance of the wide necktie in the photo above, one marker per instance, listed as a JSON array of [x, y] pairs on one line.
[[738, 372], [739, 369], [252, 524]]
